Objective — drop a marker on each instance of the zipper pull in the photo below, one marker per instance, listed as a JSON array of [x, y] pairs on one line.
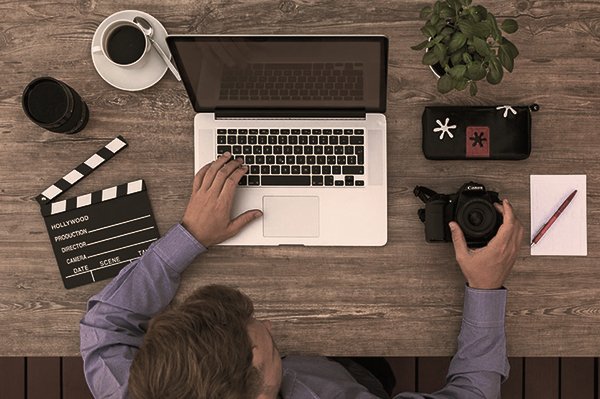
[[534, 107]]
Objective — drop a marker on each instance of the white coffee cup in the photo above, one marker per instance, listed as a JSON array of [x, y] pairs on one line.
[[106, 34]]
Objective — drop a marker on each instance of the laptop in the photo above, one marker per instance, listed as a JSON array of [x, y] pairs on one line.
[[307, 115]]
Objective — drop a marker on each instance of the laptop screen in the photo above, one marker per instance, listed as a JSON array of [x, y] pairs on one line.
[[283, 72]]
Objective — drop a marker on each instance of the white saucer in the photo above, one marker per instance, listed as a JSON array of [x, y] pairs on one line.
[[136, 77]]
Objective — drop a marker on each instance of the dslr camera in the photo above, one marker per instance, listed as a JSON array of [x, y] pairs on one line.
[[472, 207]]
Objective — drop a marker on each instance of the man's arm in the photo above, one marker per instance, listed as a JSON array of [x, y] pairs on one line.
[[117, 318], [480, 364]]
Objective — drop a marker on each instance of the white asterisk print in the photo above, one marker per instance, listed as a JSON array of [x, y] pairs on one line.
[[444, 128], [507, 108]]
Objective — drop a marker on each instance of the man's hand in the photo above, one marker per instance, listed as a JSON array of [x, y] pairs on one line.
[[208, 214], [488, 267]]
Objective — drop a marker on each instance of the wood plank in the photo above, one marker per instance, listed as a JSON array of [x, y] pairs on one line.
[[577, 377], [431, 373], [12, 377], [43, 378], [513, 387], [73, 379], [541, 377], [405, 369]]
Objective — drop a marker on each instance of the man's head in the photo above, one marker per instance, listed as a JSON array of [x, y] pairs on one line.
[[210, 346]]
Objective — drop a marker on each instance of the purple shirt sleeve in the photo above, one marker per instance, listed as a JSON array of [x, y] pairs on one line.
[[480, 364], [117, 318]]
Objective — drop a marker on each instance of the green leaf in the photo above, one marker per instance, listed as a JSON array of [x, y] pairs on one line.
[[447, 31], [426, 12], [457, 57], [421, 45], [510, 48], [458, 40], [437, 6], [466, 2], [429, 58], [467, 58], [440, 51], [475, 71], [454, 4], [466, 27], [435, 18], [481, 47], [460, 84], [496, 34], [445, 84], [447, 12], [505, 59], [509, 25], [481, 11], [458, 71], [482, 29], [428, 30], [473, 88], [495, 72]]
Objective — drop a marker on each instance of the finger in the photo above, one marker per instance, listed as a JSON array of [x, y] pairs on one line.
[[224, 173], [198, 177], [499, 207], [237, 224], [507, 212], [215, 166], [231, 184], [458, 239]]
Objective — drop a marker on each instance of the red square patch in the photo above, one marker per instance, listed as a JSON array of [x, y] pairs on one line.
[[478, 142]]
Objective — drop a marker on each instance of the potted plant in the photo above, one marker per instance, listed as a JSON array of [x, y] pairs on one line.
[[465, 44]]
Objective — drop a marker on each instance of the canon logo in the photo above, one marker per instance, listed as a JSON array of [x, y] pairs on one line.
[[474, 188]]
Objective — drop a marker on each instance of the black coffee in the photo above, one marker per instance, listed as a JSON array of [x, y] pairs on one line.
[[125, 45]]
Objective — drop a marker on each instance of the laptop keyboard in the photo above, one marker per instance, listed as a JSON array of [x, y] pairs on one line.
[[318, 81], [297, 157]]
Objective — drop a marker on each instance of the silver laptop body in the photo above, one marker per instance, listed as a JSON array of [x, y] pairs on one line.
[[303, 112]]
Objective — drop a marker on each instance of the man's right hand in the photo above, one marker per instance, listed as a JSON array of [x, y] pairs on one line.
[[208, 214], [488, 267]]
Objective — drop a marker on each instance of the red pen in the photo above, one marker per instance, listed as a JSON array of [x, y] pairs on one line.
[[550, 222]]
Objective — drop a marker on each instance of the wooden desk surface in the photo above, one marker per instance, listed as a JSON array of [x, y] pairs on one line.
[[403, 299]]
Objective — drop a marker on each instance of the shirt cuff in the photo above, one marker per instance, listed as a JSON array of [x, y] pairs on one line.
[[484, 308], [178, 248]]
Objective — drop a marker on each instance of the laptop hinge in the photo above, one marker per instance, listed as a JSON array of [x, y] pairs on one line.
[[299, 113]]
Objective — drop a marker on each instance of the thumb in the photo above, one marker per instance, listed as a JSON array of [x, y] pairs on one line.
[[242, 220], [458, 239]]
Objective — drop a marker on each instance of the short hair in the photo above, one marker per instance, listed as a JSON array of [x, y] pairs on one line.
[[199, 349]]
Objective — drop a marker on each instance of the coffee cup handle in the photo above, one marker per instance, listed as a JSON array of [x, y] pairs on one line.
[[96, 49]]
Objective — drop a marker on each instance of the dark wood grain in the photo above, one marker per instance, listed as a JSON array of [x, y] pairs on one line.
[[73, 379], [431, 373], [542, 378], [512, 388], [12, 377], [405, 369], [577, 378], [404, 299], [43, 378]]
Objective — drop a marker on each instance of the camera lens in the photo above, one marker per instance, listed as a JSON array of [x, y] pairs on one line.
[[477, 218]]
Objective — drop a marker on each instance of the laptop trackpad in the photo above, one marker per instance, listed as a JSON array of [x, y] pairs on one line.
[[290, 216]]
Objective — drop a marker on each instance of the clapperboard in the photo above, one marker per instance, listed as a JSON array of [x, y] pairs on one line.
[[95, 235]]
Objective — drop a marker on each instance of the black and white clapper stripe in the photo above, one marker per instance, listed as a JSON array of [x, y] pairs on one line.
[[70, 179], [107, 194]]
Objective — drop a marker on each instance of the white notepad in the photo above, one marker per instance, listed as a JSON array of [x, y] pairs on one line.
[[568, 235]]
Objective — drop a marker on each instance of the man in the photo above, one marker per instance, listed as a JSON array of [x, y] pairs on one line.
[[211, 346]]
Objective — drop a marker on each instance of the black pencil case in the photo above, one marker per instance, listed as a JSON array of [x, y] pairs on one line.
[[494, 132]]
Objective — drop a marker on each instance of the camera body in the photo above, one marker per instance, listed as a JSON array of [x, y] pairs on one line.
[[472, 207]]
